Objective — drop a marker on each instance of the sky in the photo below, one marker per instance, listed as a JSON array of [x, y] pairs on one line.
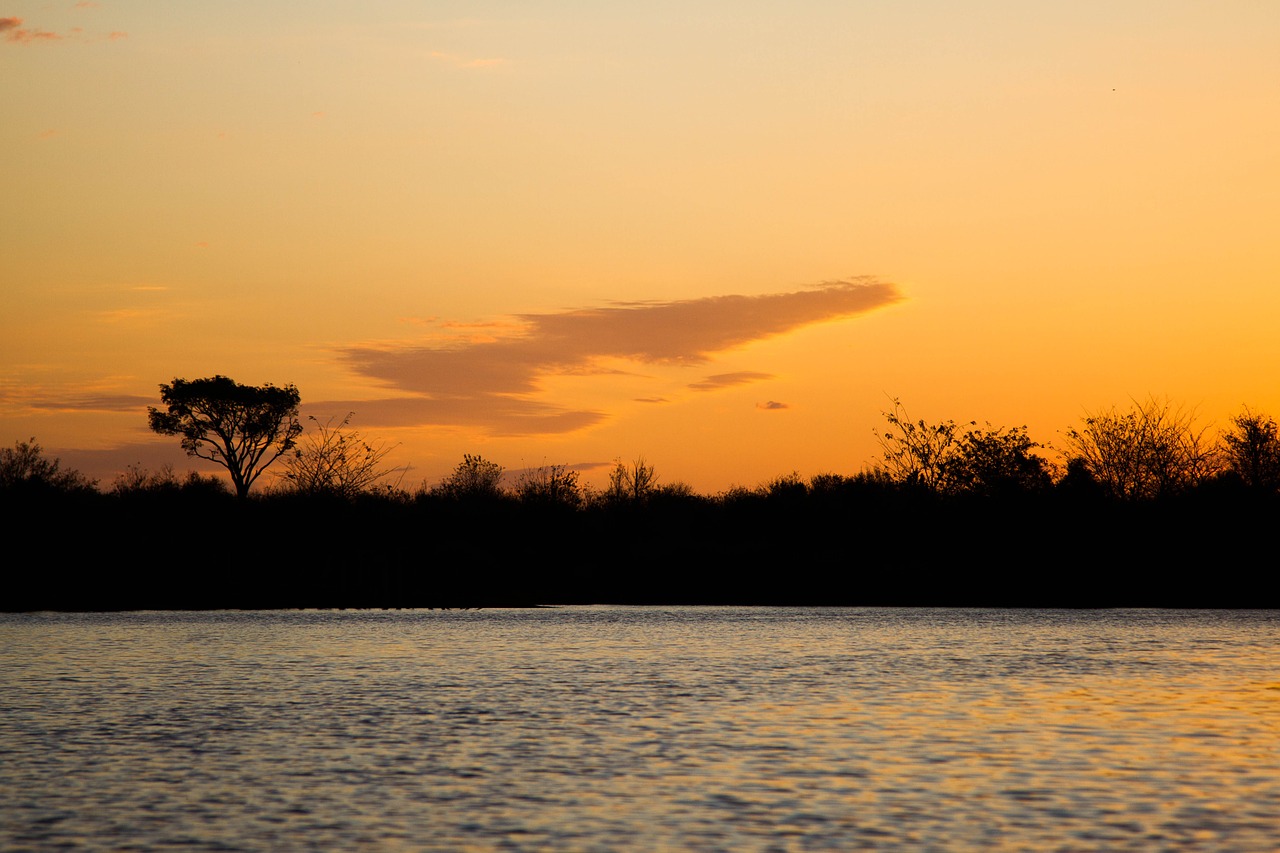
[[721, 236]]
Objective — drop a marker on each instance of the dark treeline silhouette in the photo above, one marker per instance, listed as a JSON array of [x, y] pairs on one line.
[[1141, 509]]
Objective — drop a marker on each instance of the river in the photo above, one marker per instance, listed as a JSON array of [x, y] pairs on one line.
[[641, 729]]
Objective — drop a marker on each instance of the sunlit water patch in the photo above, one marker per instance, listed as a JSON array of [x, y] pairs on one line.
[[608, 728]]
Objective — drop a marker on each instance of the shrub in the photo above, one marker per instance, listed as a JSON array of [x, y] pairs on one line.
[[24, 466]]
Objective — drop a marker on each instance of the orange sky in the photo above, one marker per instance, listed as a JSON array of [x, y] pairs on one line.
[[720, 236]]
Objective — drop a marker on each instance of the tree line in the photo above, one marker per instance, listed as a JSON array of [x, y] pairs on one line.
[[1150, 450], [1138, 506]]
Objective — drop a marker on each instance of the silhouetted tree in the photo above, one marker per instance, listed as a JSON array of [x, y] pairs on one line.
[[1153, 450], [243, 428], [1251, 448], [634, 482], [987, 461], [24, 466], [736, 496], [951, 458], [788, 487], [335, 461], [675, 492], [678, 488], [549, 485], [916, 453], [475, 477], [827, 483]]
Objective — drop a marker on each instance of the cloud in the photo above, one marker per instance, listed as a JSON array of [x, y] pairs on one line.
[[726, 380], [11, 30], [15, 32], [141, 316], [497, 414], [772, 406], [14, 397], [514, 475], [490, 382]]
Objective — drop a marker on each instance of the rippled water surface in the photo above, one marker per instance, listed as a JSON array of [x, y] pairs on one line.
[[605, 728]]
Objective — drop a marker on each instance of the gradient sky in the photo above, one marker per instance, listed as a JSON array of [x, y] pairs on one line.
[[720, 235]]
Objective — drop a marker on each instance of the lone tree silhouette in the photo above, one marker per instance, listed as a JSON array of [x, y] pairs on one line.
[[243, 428]]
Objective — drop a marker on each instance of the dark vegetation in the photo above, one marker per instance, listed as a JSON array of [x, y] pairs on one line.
[[243, 428], [1137, 507]]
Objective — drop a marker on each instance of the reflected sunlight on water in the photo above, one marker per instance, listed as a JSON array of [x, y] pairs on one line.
[[605, 728]]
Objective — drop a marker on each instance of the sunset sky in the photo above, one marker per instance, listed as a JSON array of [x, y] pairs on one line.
[[718, 235]]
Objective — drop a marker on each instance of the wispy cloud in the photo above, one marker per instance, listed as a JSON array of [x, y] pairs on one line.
[[496, 414], [727, 380], [13, 31], [492, 382], [772, 406], [15, 397], [146, 316]]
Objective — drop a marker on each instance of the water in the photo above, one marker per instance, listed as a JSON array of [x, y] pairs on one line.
[[610, 728]]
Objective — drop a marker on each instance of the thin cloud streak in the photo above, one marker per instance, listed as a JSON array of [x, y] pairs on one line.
[[489, 383], [12, 30], [499, 415], [728, 380], [26, 398], [15, 32]]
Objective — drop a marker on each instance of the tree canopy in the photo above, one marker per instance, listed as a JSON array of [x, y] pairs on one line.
[[243, 428]]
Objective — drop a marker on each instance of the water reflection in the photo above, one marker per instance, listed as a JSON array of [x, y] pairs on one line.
[[642, 729]]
